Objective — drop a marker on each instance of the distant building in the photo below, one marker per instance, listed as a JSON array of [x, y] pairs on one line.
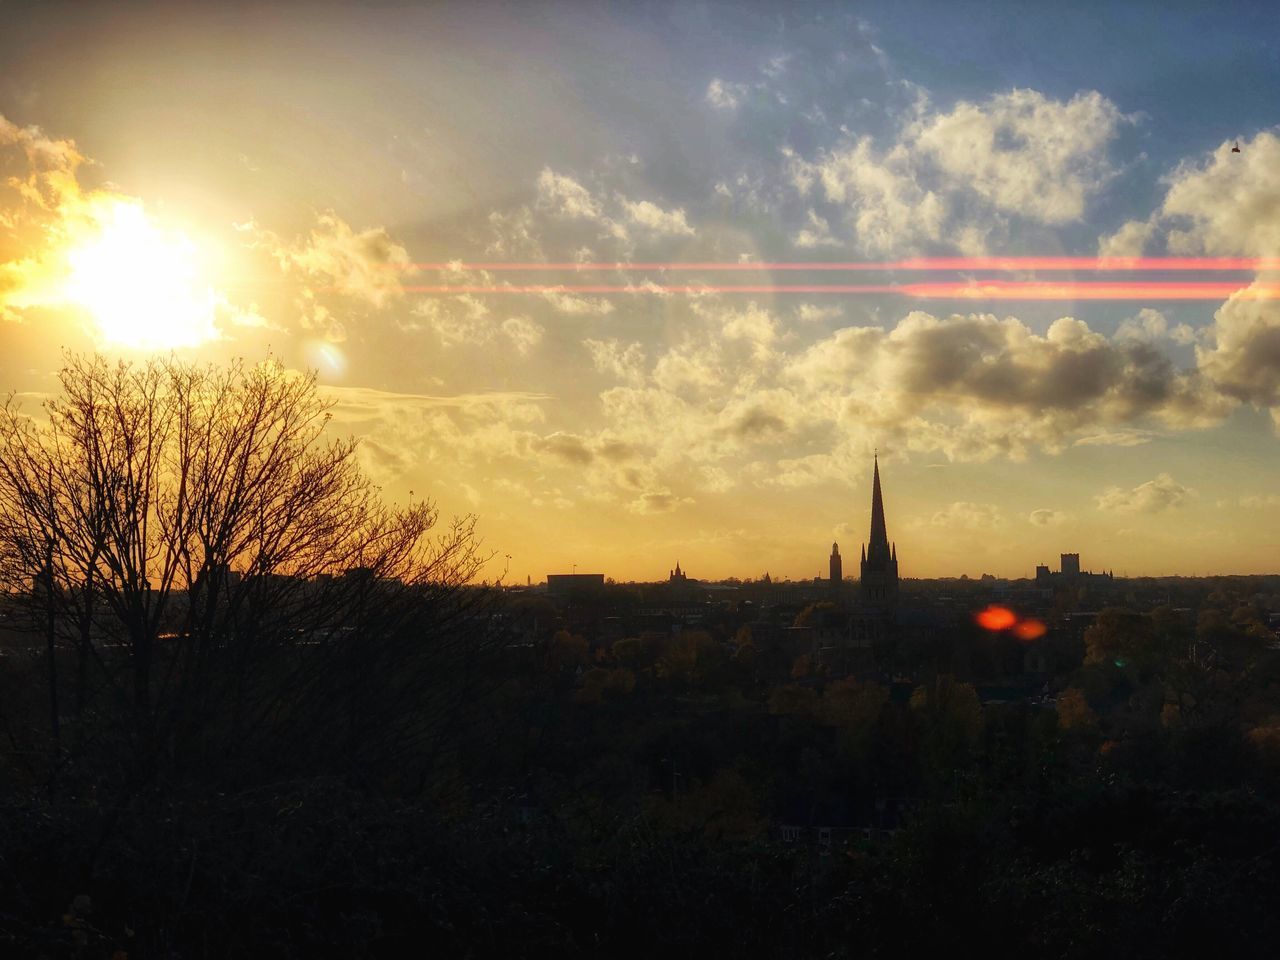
[[1070, 573], [570, 586], [837, 566], [879, 583]]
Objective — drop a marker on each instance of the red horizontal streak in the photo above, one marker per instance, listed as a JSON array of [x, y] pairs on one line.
[[986, 290], [1087, 264]]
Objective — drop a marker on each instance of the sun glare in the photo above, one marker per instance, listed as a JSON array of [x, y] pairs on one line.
[[139, 282]]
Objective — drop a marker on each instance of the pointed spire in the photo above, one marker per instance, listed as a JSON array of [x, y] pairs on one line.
[[879, 540], [864, 553], [835, 549]]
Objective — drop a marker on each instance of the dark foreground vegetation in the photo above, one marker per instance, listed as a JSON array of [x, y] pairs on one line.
[[280, 723]]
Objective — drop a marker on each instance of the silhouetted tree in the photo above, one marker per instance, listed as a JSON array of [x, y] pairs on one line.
[[254, 594]]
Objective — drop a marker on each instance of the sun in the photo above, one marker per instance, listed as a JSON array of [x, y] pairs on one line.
[[139, 282]]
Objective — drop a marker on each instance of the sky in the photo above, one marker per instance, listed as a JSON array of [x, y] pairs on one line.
[[367, 191]]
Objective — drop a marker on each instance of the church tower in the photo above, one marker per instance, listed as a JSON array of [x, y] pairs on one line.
[[879, 558], [837, 566]]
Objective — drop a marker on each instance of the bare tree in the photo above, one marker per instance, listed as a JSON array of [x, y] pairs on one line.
[[231, 576]]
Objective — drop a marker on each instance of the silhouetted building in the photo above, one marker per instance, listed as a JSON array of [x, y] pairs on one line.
[[572, 586], [1069, 574], [879, 583], [677, 575], [837, 566]]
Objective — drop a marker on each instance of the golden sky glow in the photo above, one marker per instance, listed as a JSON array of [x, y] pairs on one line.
[[139, 283], [583, 276]]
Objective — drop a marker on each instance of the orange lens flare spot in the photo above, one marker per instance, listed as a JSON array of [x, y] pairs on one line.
[[996, 618], [1028, 630]]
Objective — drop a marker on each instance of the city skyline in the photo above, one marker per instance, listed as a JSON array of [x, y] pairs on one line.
[[563, 271]]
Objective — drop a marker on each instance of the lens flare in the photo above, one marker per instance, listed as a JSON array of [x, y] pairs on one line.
[[1018, 290], [1029, 629], [327, 359], [965, 264], [996, 617]]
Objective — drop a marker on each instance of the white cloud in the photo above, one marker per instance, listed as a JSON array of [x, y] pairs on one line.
[[816, 234], [885, 204], [964, 515], [1154, 496], [365, 265], [524, 333], [1025, 154], [1117, 438], [461, 319], [977, 386], [1130, 240], [566, 196], [578, 306], [657, 501], [1047, 518], [649, 215], [1241, 354], [1147, 324], [953, 178], [623, 363], [724, 94], [813, 313]]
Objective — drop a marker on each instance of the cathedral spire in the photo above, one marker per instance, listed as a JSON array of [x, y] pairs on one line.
[[879, 583], [878, 544]]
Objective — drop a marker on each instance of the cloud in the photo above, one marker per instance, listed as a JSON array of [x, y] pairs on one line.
[[977, 386], [1117, 438], [661, 501], [46, 178], [884, 203], [578, 306], [724, 94], [1129, 241], [1260, 502], [951, 178], [456, 320], [817, 233], [1047, 518], [1219, 205], [1024, 153], [565, 446], [566, 197], [964, 515], [401, 430], [366, 266], [625, 364], [1147, 324], [523, 333], [1154, 496], [1241, 355], [650, 216], [812, 313]]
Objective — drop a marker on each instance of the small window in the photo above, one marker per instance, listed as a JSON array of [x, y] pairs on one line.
[[824, 836]]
